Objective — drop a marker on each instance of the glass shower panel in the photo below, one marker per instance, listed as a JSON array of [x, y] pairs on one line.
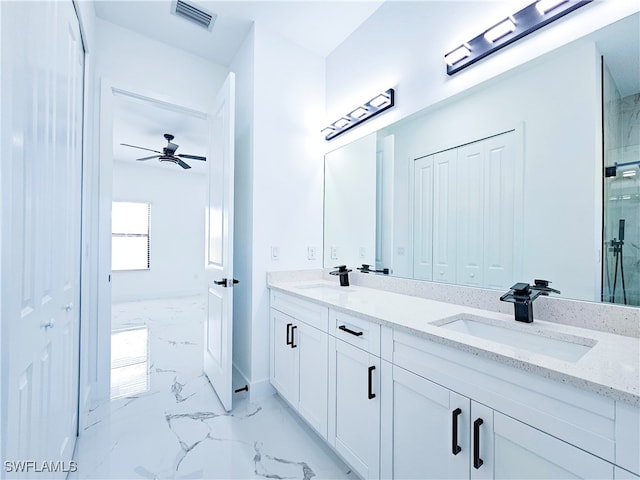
[[621, 232]]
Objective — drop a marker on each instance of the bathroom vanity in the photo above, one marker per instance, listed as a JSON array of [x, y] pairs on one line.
[[407, 387]]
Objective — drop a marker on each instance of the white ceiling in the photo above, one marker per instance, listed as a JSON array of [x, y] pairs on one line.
[[319, 26]]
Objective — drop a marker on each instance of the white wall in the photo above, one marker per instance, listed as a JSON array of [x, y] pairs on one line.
[[136, 62], [287, 174], [176, 228], [402, 45]]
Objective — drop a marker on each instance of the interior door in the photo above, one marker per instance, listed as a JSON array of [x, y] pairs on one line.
[[42, 93], [218, 332]]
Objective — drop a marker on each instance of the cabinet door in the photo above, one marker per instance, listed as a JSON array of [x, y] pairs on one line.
[[355, 391], [428, 426], [521, 451], [284, 365], [312, 348]]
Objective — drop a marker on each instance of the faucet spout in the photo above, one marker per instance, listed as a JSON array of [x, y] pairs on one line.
[[343, 273], [522, 296]]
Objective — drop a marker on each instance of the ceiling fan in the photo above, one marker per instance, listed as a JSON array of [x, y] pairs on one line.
[[168, 153]]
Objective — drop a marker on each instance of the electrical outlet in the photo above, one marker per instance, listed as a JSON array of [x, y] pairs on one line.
[[275, 253], [334, 252], [401, 251], [311, 252], [362, 252]]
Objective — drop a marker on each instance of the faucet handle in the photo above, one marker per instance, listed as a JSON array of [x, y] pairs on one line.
[[543, 287], [521, 288]]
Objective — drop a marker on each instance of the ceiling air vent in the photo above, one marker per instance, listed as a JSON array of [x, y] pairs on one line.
[[193, 14]]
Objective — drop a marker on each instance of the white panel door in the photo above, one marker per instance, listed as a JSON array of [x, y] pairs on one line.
[[423, 218], [42, 88], [284, 364], [470, 221], [501, 190], [524, 452], [218, 333], [444, 216], [429, 429], [355, 432], [312, 350]]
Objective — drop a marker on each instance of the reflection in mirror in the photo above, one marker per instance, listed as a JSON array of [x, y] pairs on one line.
[[350, 199], [504, 182]]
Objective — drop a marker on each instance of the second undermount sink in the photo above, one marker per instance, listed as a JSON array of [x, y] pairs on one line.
[[552, 344]]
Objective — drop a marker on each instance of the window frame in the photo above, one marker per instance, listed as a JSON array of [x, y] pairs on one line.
[[133, 235]]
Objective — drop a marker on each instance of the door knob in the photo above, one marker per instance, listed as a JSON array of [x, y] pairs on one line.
[[48, 324]]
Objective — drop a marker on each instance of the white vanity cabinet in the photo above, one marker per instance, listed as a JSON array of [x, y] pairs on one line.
[[299, 357], [399, 404], [354, 392], [498, 422]]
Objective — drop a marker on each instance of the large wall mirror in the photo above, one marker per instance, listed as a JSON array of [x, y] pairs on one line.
[[506, 181]]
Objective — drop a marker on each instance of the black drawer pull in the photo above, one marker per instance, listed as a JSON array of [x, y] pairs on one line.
[[352, 332], [370, 381], [455, 448], [288, 339], [293, 345], [477, 461]]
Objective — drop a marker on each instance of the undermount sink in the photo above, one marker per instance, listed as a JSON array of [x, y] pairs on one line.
[[552, 344], [325, 288]]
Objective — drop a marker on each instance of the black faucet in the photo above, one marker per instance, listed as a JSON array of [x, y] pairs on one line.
[[522, 296], [369, 269], [343, 272]]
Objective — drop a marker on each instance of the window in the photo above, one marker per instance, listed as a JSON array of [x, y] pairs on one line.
[[130, 236]]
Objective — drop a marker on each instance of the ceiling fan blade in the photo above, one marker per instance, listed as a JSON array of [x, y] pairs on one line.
[[148, 158], [182, 164], [192, 157], [141, 148]]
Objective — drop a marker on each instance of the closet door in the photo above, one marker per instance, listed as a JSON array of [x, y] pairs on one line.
[[423, 218], [500, 197], [42, 92], [470, 172], [444, 216]]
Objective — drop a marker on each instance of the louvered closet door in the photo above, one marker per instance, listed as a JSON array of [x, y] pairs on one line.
[[42, 96]]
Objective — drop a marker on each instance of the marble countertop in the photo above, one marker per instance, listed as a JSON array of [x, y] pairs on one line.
[[610, 367]]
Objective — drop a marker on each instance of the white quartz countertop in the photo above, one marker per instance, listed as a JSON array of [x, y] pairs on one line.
[[611, 367]]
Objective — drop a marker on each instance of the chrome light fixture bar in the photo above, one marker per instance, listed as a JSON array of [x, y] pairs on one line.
[[362, 113], [507, 31]]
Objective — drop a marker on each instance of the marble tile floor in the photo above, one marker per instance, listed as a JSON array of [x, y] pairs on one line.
[[165, 421]]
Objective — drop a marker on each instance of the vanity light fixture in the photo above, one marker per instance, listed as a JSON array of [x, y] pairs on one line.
[[507, 31], [613, 170], [500, 30], [373, 107]]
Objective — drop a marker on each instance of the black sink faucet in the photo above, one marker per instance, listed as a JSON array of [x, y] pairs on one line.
[[343, 272], [522, 296]]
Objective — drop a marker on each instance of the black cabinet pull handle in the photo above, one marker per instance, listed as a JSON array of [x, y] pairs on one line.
[[455, 448], [288, 339], [370, 381], [352, 332], [293, 345], [477, 461]]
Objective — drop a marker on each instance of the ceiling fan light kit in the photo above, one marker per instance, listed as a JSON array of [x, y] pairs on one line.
[[168, 153]]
